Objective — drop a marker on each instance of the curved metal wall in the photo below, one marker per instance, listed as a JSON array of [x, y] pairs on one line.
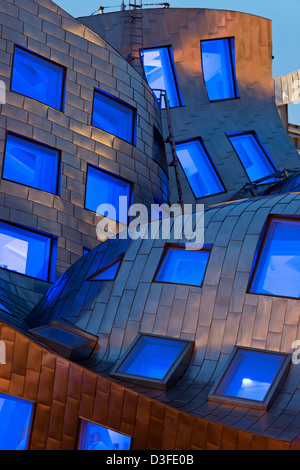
[[91, 62], [255, 110]]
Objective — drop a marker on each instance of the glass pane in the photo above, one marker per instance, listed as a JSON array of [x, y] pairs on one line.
[[250, 375], [152, 357], [113, 116], [61, 335], [15, 419], [219, 68], [37, 78], [181, 266], [198, 169], [160, 73], [24, 251], [255, 161], [108, 274], [30, 164], [103, 188], [95, 437], [278, 271]]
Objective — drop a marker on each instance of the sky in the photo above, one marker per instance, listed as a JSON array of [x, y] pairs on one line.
[[285, 16]]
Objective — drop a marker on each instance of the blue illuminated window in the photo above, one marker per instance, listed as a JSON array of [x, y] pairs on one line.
[[30, 163], [38, 78], [160, 72], [251, 377], [157, 361], [253, 156], [15, 418], [182, 266], [27, 252], [108, 272], [96, 437], [277, 268], [218, 62], [102, 188], [114, 116], [199, 168]]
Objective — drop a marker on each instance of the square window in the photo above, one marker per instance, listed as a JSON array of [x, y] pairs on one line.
[[110, 192], [155, 361], [182, 266], [27, 252], [38, 78], [31, 163], [199, 168], [114, 116], [218, 63], [95, 437], [66, 340], [251, 377], [15, 417], [108, 272], [253, 156], [277, 267], [159, 68]]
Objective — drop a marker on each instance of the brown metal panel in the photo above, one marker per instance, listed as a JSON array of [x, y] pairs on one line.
[[156, 426], [168, 441], [184, 432]]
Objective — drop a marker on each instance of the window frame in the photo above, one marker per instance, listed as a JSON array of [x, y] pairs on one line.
[[78, 351], [173, 374], [263, 149], [125, 105], [174, 74], [274, 388], [114, 261], [53, 248], [120, 178], [232, 68], [33, 410], [64, 77], [180, 246], [82, 419], [40, 144], [260, 249], [201, 141]]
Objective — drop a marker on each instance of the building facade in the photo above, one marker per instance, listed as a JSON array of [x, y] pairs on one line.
[[85, 120]]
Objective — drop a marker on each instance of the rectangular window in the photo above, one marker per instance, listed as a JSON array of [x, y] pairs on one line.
[[110, 192], [157, 361], [38, 78], [27, 252], [15, 418], [277, 268], [199, 168], [31, 163], [218, 63], [114, 116], [251, 377], [253, 156], [182, 266], [159, 150], [160, 72], [66, 340], [96, 437]]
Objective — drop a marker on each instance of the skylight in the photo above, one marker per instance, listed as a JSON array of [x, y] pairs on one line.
[[251, 377], [155, 361]]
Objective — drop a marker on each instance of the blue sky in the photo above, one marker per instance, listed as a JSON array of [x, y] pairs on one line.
[[285, 16]]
